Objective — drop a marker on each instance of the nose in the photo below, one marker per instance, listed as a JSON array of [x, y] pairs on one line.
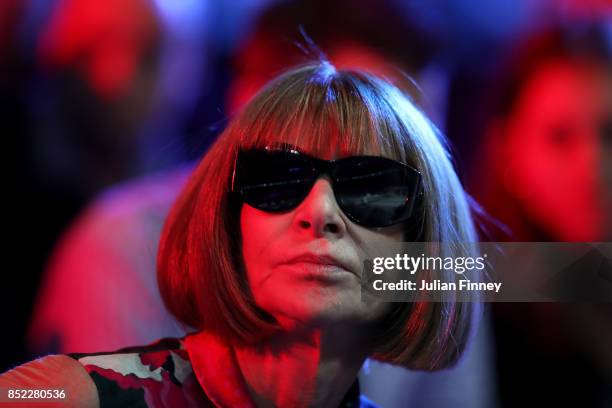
[[319, 213]]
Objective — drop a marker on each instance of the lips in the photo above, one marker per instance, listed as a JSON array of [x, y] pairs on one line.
[[318, 259]]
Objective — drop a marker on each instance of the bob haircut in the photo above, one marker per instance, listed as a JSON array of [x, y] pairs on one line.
[[322, 110]]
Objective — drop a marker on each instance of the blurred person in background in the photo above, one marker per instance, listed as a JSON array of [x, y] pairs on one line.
[[545, 171], [87, 85], [114, 241], [99, 68], [549, 137], [69, 114]]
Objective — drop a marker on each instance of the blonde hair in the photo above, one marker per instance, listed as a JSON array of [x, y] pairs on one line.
[[200, 272]]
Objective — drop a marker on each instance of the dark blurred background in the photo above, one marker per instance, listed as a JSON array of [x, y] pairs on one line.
[[96, 96]]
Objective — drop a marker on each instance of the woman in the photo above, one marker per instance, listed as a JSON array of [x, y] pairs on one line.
[[264, 249], [547, 175], [547, 167]]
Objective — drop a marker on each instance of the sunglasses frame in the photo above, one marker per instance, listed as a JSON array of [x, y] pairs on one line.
[[326, 167]]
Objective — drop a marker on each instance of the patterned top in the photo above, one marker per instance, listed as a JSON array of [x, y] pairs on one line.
[[162, 375], [158, 375]]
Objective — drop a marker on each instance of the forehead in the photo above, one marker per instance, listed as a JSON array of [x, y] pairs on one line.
[[567, 90]]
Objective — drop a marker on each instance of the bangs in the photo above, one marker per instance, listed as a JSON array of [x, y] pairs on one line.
[[325, 113]]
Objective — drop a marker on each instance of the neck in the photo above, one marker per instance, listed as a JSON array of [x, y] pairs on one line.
[[312, 367]]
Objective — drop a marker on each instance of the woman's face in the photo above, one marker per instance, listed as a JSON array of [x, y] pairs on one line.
[[560, 150], [304, 265]]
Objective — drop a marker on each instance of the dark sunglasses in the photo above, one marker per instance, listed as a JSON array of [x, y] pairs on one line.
[[372, 191]]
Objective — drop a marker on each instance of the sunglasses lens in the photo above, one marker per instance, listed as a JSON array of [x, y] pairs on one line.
[[273, 181], [371, 191], [375, 191]]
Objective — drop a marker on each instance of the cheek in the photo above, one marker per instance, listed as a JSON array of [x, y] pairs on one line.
[[254, 237], [554, 187], [260, 237], [382, 242]]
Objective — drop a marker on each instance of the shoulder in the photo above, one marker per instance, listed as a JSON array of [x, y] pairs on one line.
[[150, 361], [54, 372], [156, 375], [159, 374]]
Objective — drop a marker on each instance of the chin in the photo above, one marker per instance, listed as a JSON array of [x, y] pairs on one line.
[[312, 306], [324, 313]]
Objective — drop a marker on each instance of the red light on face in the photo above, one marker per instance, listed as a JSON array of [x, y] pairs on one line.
[[559, 163]]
